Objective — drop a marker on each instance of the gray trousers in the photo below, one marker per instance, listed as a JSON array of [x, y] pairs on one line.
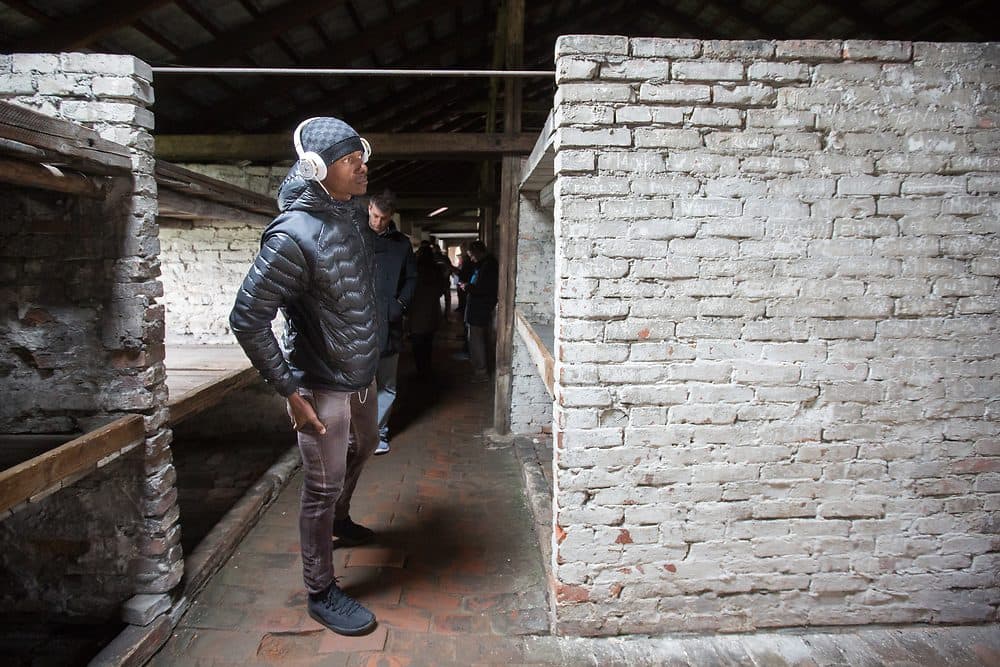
[[385, 378], [331, 465]]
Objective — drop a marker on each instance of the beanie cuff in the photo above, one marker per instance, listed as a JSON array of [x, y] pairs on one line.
[[344, 147]]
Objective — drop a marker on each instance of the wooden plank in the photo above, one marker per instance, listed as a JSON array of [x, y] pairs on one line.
[[42, 176], [193, 184], [205, 358], [539, 170], [208, 394], [21, 482], [64, 142], [393, 145], [540, 354], [173, 204]]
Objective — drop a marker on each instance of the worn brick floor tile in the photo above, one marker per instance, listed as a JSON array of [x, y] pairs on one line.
[[373, 641], [214, 617], [433, 601], [228, 644], [516, 622], [405, 618], [460, 624], [281, 619], [376, 557], [282, 647]]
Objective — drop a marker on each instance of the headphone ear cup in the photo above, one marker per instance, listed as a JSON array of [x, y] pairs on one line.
[[312, 167]]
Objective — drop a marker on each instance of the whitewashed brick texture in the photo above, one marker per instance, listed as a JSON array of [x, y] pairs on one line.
[[777, 370], [530, 403], [203, 263]]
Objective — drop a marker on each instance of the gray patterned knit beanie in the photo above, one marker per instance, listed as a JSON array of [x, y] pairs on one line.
[[330, 137]]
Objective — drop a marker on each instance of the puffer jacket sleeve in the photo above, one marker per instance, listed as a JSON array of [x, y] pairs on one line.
[[408, 276], [277, 276]]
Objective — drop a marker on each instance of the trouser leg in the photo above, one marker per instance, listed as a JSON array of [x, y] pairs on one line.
[[364, 429], [324, 466], [477, 348], [386, 381]]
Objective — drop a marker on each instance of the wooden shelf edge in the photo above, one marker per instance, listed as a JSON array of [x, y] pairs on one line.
[[208, 394], [36, 475], [539, 353]]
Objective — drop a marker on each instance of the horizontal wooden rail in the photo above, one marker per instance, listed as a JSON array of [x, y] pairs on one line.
[[45, 471], [541, 355]]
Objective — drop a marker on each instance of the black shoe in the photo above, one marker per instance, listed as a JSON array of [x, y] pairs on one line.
[[340, 612], [351, 534]]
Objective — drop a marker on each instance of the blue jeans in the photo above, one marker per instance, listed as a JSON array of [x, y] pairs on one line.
[[385, 379]]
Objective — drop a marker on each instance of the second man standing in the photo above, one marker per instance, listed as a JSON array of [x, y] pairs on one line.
[[395, 280]]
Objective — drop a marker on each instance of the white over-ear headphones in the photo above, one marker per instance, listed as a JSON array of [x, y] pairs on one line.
[[312, 166]]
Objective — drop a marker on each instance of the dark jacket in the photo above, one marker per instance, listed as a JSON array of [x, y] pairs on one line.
[[316, 263], [482, 292], [424, 312], [395, 280]]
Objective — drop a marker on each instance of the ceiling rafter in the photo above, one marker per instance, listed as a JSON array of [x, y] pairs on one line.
[[279, 39], [374, 35], [80, 30], [580, 10], [235, 42]]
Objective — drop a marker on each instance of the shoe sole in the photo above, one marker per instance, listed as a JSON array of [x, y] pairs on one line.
[[380, 453], [349, 632]]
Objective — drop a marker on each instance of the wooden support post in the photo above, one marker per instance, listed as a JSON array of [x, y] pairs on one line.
[[510, 177]]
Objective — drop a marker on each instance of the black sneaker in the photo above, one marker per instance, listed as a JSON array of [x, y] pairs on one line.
[[340, 612], [350, 534]]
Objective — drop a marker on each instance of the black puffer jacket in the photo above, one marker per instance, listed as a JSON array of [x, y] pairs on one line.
[[395, 280], [316, 263]]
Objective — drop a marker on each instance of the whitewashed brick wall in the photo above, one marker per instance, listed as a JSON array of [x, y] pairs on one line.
[[776, 334], [203, 266], [204, 262], [530, 403]]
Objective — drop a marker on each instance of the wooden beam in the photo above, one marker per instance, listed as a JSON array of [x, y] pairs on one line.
[[237, 41], [537, 350], [46, 177], [45, 471], [510, 178], [193, 184], [172, 204], [74, 32], [278, 147], [210, 393], [63, 142]]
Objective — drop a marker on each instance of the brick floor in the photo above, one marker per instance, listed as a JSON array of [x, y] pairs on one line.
[[456, 577]]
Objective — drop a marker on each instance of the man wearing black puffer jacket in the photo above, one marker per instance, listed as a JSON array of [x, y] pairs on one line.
[[395, 280], [317, 264]]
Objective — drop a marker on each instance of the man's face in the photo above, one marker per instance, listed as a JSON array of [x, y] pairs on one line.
[[347, 177], [378, 220]]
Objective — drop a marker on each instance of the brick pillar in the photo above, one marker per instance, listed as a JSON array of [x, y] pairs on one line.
[[776, 334], [110, 94]]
